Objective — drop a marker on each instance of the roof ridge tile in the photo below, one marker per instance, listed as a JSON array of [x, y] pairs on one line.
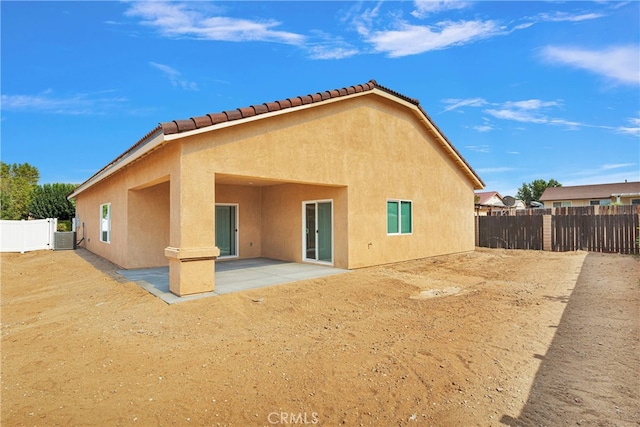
[[184, 125]]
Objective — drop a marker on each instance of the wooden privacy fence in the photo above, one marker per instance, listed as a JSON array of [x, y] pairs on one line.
[[511, 232], [612, 229]]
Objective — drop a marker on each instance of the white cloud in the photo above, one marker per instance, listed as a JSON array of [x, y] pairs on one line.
[[74, 104], [617, 166], [529, 114], [459, 103], [483, 128], [531, 111], [633, 128], [568, 17], [534, 111], [363, 20], [530, 104], [516, 115], [567, 123], [525, 111], [600, 177], [424, 8], [329, 47], [174, 76], [478, 148], [410, 39], [330, 52], [618, 63], [195, 20], [556, 17], [523, 26]]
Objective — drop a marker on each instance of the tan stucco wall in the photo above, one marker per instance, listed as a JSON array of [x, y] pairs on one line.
[[370, 145], [148, 225], [140, 211], [357, 152], [249, 201], [282, 232], [270, 219]]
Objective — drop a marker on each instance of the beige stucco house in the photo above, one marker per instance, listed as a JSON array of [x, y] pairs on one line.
[[352, 177], [621, 193]]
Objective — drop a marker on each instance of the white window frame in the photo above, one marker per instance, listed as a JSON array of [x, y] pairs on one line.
[[304, 232], [105, 221], [562, 204], [399, 202]]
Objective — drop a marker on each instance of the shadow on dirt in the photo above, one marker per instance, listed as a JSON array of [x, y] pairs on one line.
[[589, 375], [101, 264]]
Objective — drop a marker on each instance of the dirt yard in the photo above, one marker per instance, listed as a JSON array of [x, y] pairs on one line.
[[489, 338]]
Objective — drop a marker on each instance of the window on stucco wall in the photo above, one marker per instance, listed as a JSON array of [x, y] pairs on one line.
[[561, 204], [105, 223], [399, 217]]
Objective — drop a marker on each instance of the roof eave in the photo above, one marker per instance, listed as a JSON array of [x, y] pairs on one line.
[[150, 142], [244, 120]]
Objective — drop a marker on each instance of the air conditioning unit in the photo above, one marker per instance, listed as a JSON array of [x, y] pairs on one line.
[[64, 240]]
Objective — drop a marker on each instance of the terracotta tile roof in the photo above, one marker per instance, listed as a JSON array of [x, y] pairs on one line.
[[596, 191], [178, 126]]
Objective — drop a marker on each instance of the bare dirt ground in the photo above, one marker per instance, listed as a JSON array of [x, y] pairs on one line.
[[488, 338]]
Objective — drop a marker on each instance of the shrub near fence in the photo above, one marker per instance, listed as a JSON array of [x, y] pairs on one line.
[[611, 229]]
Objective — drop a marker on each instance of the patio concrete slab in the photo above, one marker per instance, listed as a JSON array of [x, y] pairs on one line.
[[232, 276]]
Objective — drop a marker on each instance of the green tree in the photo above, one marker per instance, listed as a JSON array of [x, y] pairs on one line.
[[533, 191], [17, 182], [50, 201]]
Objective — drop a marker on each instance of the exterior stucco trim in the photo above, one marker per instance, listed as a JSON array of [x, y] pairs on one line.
[[189, 254]]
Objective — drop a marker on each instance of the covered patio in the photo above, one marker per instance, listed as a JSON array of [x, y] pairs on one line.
[[231, 276]]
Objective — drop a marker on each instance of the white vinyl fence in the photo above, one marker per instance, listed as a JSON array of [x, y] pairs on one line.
[[23, 236]]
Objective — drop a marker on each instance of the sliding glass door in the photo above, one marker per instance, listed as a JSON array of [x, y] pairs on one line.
[[227, 230], [318, 231]]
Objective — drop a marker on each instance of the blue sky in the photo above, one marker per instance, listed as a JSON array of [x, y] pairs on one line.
[[524, 90]]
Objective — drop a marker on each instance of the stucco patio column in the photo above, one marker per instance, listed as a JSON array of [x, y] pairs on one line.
[[191, 270], [192, 251]]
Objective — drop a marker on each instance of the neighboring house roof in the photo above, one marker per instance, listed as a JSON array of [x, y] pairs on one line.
[[486, 196], [596, 191], [168, 131]]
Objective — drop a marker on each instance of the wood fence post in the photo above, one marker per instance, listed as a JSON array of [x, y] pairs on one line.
[[546, 233]]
